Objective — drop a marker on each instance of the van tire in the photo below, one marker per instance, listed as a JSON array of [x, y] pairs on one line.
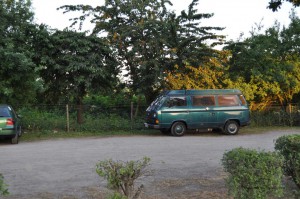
[[178, 129], [231, 127]]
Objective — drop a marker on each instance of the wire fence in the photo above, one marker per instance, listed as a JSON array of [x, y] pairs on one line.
[[126, 117]]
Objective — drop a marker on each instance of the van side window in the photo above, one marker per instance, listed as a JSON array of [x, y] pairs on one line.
[[242, 99], [177, 101], [228, 100], [203, 100]]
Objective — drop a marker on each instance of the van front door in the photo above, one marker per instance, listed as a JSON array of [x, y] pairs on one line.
[[202, 112], [174, 109]]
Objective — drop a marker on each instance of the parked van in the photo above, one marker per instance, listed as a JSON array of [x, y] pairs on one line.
[[176, 111]]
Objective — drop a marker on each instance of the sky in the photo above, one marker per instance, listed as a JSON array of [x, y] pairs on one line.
[[237, 16]]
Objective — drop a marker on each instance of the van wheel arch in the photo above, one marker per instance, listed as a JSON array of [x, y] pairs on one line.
[[178, 128], [231, 127]]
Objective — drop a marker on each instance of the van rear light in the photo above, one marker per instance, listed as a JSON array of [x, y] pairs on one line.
[[9, 122]]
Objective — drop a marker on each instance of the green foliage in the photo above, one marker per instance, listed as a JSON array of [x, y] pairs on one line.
[[3, 186], [274, 5], [150, 39], [17, 69], [289, 147], [253, 174], [266, 66], [122, 176], [73, 64]]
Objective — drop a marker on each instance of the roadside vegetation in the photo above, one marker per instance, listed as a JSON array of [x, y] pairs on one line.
[[259, 174]]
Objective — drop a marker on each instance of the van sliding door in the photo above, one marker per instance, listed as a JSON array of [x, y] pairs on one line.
[[202, 112]]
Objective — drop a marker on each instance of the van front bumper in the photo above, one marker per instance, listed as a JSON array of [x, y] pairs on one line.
[[151, 126]]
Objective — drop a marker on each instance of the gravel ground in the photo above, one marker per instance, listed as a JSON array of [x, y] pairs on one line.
[[183, 167]]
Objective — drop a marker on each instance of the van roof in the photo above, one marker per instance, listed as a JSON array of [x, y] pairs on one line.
[[203, 92]]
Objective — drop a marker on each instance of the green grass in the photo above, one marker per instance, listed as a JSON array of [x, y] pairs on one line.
[[48, 135]]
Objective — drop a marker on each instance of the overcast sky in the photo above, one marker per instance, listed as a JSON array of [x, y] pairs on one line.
[[235, 15]]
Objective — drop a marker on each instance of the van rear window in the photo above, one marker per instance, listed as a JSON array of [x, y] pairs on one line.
[[228, 100], [203, 100]]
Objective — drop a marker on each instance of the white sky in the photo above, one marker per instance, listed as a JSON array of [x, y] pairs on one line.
[[235, 15]]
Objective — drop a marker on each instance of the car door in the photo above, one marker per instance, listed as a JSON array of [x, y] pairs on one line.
[[202, 112], [174, 109]]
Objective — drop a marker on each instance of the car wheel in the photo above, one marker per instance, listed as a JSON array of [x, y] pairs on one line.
[[232, 127], [15, 139], [178, 129]]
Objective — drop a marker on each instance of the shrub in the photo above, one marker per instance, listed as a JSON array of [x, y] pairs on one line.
[[289, 147], [121, 176], [3, 186], [253, 174]]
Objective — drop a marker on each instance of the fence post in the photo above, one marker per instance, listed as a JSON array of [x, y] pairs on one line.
[[131, 115], [68, 118]]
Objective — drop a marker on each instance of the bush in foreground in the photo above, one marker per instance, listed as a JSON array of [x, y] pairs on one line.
[[3, 186], [121, 176], [289, 147], [253, 174]]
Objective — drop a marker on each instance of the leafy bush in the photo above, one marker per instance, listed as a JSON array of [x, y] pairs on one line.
[[253, 174], [3, 186], [121, 176], [289, 147]]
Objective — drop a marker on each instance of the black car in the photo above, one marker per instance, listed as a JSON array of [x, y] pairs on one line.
[[10, 124]]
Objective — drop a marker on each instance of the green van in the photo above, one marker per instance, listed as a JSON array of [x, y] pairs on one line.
[[176, 111]]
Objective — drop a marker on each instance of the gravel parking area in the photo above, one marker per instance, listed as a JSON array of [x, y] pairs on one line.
[[183, 167]]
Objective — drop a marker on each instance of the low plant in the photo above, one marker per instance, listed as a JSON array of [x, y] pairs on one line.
[[253, 174], [3, 186], [121, 176], [289, 147]]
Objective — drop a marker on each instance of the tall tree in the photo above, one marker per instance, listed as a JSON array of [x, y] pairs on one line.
[[269, 64], [17, 70], [150, 39], [73, 64]]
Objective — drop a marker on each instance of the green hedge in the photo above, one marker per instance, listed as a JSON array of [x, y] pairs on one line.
[[289, 147], [253, 174]]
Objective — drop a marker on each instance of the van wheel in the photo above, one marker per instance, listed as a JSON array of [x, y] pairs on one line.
[[15, 139], [178, 129], [232, 127]]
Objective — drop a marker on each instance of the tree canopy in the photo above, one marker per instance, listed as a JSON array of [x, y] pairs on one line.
[[17, 70], [150, 39], [274, 5]]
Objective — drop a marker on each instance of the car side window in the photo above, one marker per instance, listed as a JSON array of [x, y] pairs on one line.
[[176, 101], [228, 100], [203, 100]]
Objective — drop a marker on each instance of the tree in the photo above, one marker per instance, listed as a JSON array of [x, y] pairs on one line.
[[73, 64], [269, 64], [17, 70], [149, 39], [274, 5], [211, 74]]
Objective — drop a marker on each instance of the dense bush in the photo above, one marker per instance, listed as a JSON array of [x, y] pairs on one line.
[[95, 120], [121, 176], [253, 174], [289, 147], [3, 186]]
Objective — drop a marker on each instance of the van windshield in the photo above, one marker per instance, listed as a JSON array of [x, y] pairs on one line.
[[156, 103]]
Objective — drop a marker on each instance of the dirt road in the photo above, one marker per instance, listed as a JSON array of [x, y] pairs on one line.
[[66, 168]]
